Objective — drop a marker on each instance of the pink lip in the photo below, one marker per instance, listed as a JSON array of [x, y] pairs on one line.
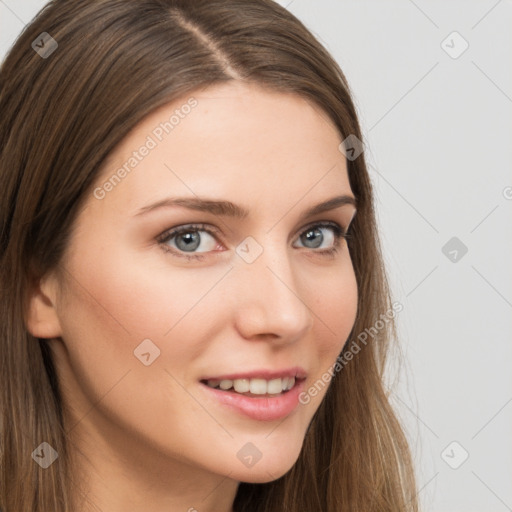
[[296, 372], [260, 408]]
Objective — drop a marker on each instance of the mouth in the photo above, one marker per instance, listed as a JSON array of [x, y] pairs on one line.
[[254, 387], [262, 399]]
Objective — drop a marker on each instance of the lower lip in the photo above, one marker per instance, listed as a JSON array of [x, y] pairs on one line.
[[264, 408]]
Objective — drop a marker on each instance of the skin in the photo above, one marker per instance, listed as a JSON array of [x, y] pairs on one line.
[[145, 435]]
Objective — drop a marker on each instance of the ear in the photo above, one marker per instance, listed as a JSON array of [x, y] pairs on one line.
[[42, 320]]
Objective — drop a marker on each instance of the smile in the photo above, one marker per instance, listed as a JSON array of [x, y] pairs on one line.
[[255, 386], [259, 402]]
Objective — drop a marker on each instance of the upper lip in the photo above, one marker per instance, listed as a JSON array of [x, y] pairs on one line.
[[296, 371]]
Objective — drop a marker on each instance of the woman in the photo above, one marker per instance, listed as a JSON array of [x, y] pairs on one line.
[[189, 264]]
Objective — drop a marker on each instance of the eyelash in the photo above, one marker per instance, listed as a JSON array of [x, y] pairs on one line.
[[339, 234]]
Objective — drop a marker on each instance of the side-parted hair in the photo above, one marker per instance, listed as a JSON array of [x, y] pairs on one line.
[[62, 114]]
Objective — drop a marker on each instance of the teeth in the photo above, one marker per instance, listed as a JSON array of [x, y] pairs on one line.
[[255, 386], [259, 387], [273, 386], [241, 385], [225, 384]]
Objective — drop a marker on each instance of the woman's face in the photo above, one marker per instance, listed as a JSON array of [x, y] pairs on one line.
[[146, 315]]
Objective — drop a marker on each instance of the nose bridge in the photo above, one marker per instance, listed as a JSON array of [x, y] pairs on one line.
[[270, 298]]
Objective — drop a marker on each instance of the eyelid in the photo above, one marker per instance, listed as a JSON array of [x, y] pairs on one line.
[[183, 228], [170, 233]]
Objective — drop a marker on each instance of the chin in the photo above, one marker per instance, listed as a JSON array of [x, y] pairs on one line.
[[268, 468], [263, 475]]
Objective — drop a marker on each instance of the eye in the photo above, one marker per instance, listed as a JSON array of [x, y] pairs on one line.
[[313, 237], [188, 239], [191, 240]]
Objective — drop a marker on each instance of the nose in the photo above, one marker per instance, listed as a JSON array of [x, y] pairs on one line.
[[269, 301]]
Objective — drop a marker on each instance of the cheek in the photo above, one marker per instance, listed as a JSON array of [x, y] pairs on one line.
[[107, 311], [335, 313], [142, 297], [110, 308], [335, 309]]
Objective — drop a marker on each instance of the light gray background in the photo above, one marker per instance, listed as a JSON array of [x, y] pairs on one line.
[[438, 134]]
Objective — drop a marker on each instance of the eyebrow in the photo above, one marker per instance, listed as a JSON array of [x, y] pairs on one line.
[[229, 209]]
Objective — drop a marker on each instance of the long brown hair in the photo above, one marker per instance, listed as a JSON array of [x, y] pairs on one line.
[[63, 112]]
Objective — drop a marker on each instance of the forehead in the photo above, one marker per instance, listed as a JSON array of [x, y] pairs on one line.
[[233, 140]]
